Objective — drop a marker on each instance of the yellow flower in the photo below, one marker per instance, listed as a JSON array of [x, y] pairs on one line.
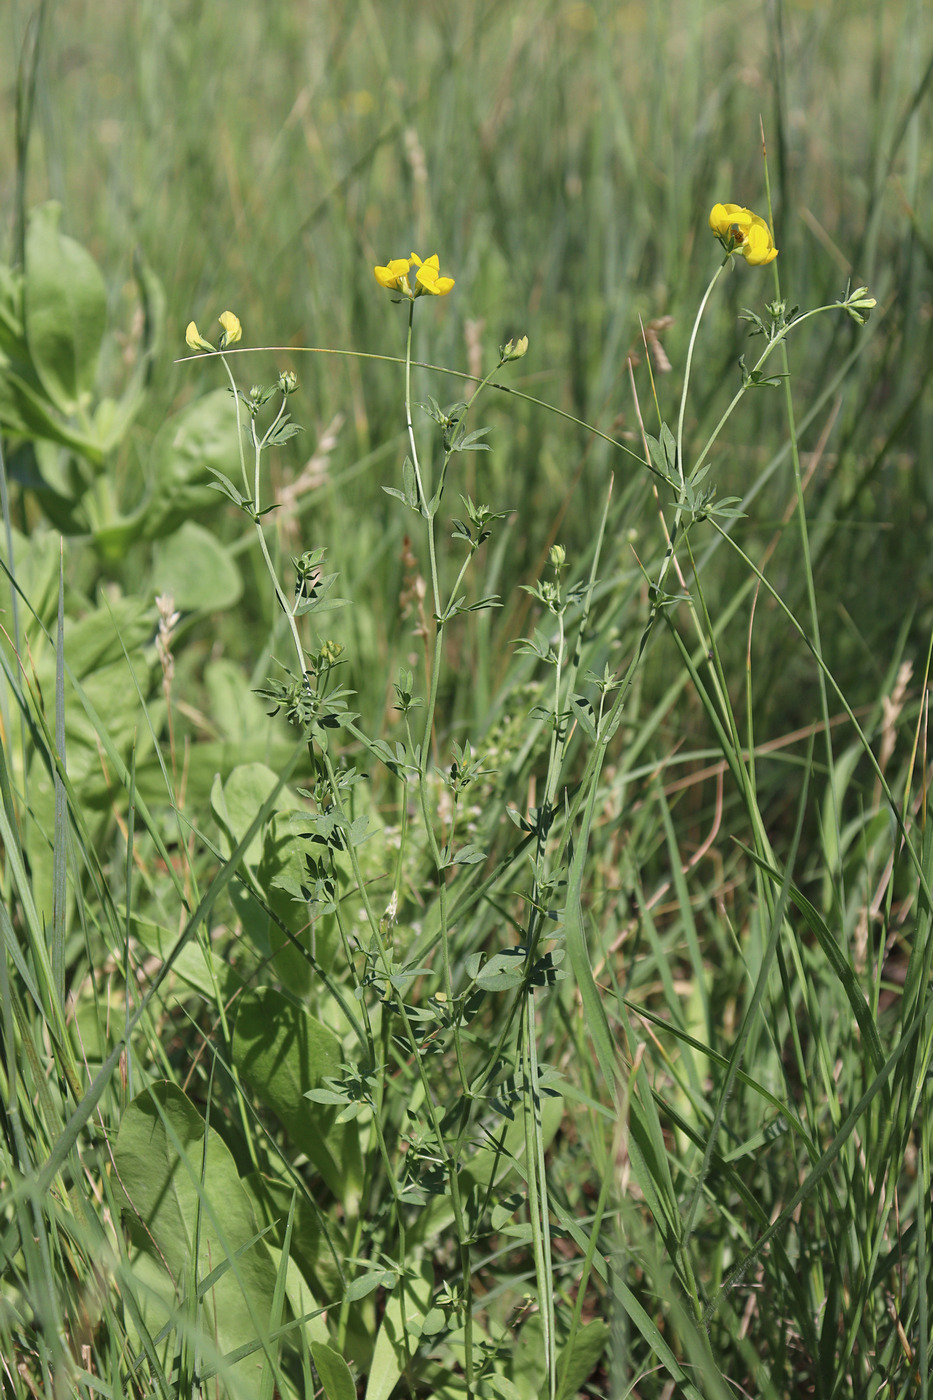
[[232, 330], [394, 277], [195, 340], [429, 277], [742, 232]]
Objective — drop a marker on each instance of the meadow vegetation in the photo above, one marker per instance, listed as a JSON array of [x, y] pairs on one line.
[[467, 910]]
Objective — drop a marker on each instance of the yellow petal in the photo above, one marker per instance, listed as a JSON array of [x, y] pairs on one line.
[[430, 280], [743, 232], [759, 246], [722, 216], [195, 339], [233, 331], [389, 275]]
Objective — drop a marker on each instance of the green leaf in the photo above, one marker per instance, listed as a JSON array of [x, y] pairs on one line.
[[26, 411], [502, 970], [410, 483], [236, 802], [529, 1364], [191, 964], [65, 305], [282, 432], [202, 436], [585, 715], [576, 1363], [225, 486], [472, 442], [433, 409], [502, 1212], [836, 957], [282, 1052], [182, 1189], [467, 855], [472, 965], [197, 570], [315, 1247], [335, 1374], [399, 1331], [663, 452], [368, 1283], [502, 1386], [113, 424]]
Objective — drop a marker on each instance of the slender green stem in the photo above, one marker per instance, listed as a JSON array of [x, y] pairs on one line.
[[689, 365], [439, 863], [239, 421], [439, 369], [537, 1190], [283, 601], [778, 339], [894, 807], [449, 1162], [803, 530], [422, 494]]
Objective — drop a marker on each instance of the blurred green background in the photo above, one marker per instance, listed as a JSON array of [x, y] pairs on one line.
[[562, 159]]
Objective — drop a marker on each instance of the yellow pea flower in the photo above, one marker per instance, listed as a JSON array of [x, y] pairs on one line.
[[393, 274], [429, 277], [394, 277], [232, 330], [744, 233], [195, 340]]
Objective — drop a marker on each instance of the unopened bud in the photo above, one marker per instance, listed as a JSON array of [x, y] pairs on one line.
[[514, 350]]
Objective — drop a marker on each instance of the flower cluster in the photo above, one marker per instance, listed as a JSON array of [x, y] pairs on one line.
[[230, 333], [395, 277], [744, 233]]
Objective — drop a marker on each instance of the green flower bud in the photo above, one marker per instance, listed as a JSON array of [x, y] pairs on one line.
[[514, 350]]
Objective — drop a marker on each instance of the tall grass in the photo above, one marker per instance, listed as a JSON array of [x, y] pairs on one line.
[[698, 1164]]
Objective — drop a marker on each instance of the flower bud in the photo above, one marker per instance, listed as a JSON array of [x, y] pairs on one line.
[[287, 382], [514, 350]]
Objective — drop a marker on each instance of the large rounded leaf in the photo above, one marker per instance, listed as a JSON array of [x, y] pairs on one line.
[[197, 571], [282, 1051], [184, 1194], [200, 436], [65, 305]]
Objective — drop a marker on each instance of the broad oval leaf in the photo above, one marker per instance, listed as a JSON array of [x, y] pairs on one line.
[[182, 1188], [282, 1052], [65, 306], [334, 1372]]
